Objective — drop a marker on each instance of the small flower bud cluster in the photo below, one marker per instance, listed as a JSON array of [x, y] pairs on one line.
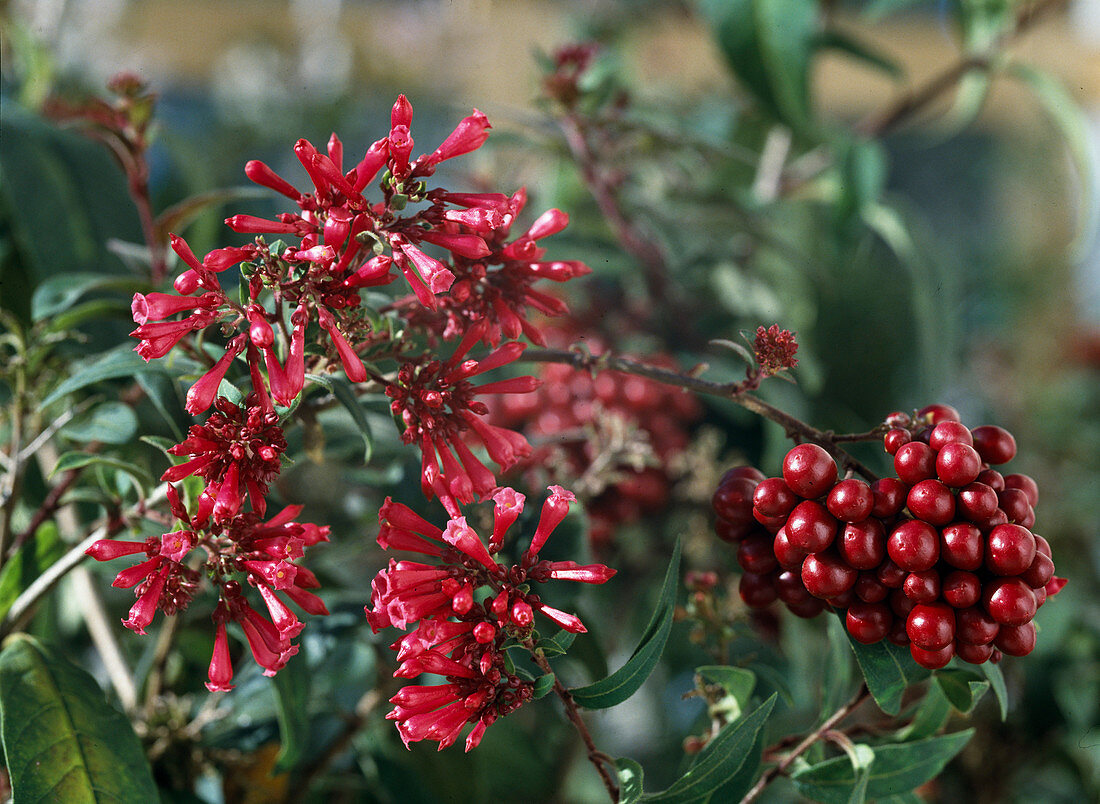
[[941, 557], [467, 609]]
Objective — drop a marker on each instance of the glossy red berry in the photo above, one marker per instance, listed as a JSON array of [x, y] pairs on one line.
[[788, 556], [897, 633], [1010, 550], [810, 527], [733, 499], [788, 584], [949, 432], [975, 626], [843, 600], [756, 590], [992, 478], [850, 500], [889, 497], [958, 464], [922, 587], [825, 575], [900, 604], [755, 555], [773, 497], [1040, 572], [771, 524], [961, 589], [868, 622], [895, 439], [1026, 484], [1042, 546], [962, 546], [914, 546], [807, 609], [975, 654], [915, 462], [1009, 601], [934, 414], [747, 472], [1016, 640], [931, 501], [863, 544], [733, 532], [931, 625], [809, 470], [1015, 505], [869, 589], [976, 502], [932, 659], [891, 575], [995, 444]]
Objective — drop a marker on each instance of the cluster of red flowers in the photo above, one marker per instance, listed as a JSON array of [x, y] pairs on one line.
[[303, 313], [467, 609]]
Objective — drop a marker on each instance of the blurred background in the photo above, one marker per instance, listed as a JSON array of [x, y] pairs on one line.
[[952, 259]]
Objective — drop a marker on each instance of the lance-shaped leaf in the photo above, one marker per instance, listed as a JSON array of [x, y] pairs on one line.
[[624, 682], [63, 741], [30, 561], [896, 769], [291, 689], [888, 671], [963, 688], [997, 682], [719, 762]]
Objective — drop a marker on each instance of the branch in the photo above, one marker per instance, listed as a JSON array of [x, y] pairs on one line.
[[20, 610], [733, 391], [811, 738], [598, 758]]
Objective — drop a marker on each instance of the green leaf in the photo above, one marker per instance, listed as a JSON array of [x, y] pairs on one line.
[[63, 741], [861, 51], [291, 689], [543, 685], [110, 422], [30, 561], [345, 395], [1073, 124], [719, 761], [631, 777], [769, 45], [164, 394], [95, 310], [557, 644], [837, 675], [997, 682], [896, 769], [963, 688], [76, 460], [736, 681], [888, 671], [160, 442], [932, 714], [741, 782], [122, 361], [624, 682]]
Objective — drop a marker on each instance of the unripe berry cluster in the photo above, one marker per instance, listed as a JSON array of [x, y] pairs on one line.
[[940, 557]]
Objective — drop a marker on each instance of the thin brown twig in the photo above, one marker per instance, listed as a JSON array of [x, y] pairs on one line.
[[601, 761], [772, 773], [733, 391]]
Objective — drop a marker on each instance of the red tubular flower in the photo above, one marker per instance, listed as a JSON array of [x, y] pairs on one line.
[[352, 363], [260, 173], [554, 511], [158, 306], [159, 339], [200, 396], [220, 673], [148, 600], [453, 636], [469, 135]]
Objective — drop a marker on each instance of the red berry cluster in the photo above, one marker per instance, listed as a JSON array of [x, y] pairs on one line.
[[940, 558]]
